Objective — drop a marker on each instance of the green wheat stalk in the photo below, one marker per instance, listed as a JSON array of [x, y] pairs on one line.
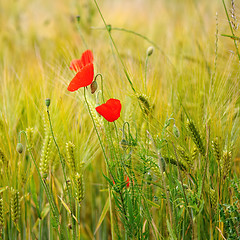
[[231, 28]]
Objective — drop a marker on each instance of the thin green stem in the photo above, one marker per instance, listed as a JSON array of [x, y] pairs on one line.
[[145, 77], [113, 154], [163, 178], [230, 25], [118, 140], [184, 193], [64, 175], [126, 123], [80, 33], [51, 201], [79, 221], [206, 162], [106, 161], [116, 49], [99, 74], [40, 209], [95, 127], [143, 37]]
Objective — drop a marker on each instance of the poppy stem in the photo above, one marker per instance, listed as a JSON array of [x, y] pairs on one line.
[[126, 123], [99, 74], [116, 49], [64, 175], [143, 37], [80, 33], [118, 141], [106, 160], [95, 127]]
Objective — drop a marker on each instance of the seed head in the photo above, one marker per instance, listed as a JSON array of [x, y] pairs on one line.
[[47, 102], [15, 205], [79, 187]]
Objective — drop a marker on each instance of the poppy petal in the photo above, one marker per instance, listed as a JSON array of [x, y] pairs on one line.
[[78, 64], [82, 79], [110, 110], [87, 57]]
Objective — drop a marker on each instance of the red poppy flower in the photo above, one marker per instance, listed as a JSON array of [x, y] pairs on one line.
[[127, 182], [110, 110], [85, 71]]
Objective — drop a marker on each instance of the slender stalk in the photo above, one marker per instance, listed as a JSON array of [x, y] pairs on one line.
[[99, 74], [141, 36], [80, 33], [50, 227], [40, 209], [126, 123], [164, 180], [230, 25], [51, 201], [95, 127], [184, 193], [116, 49], [118, 141], [79, 220], [145, 77], [65, 177], [113, 153], [206, 164], [106, 161]]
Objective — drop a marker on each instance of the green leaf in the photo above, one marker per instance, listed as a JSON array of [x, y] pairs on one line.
[[108, 179], [153, 204], [103, 214], [2, 189], [35, 198], [54, 221], [68, 209], [171, 232]]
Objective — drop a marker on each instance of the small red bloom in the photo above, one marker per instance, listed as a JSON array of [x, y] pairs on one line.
[[110, 110], [85, 71], [127, 182]]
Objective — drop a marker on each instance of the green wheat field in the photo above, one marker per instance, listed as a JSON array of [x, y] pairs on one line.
[[144, 147]]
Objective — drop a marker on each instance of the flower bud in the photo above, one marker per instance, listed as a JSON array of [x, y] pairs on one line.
[[19, 148], [93, 87], [47, 102], [150, 51]]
